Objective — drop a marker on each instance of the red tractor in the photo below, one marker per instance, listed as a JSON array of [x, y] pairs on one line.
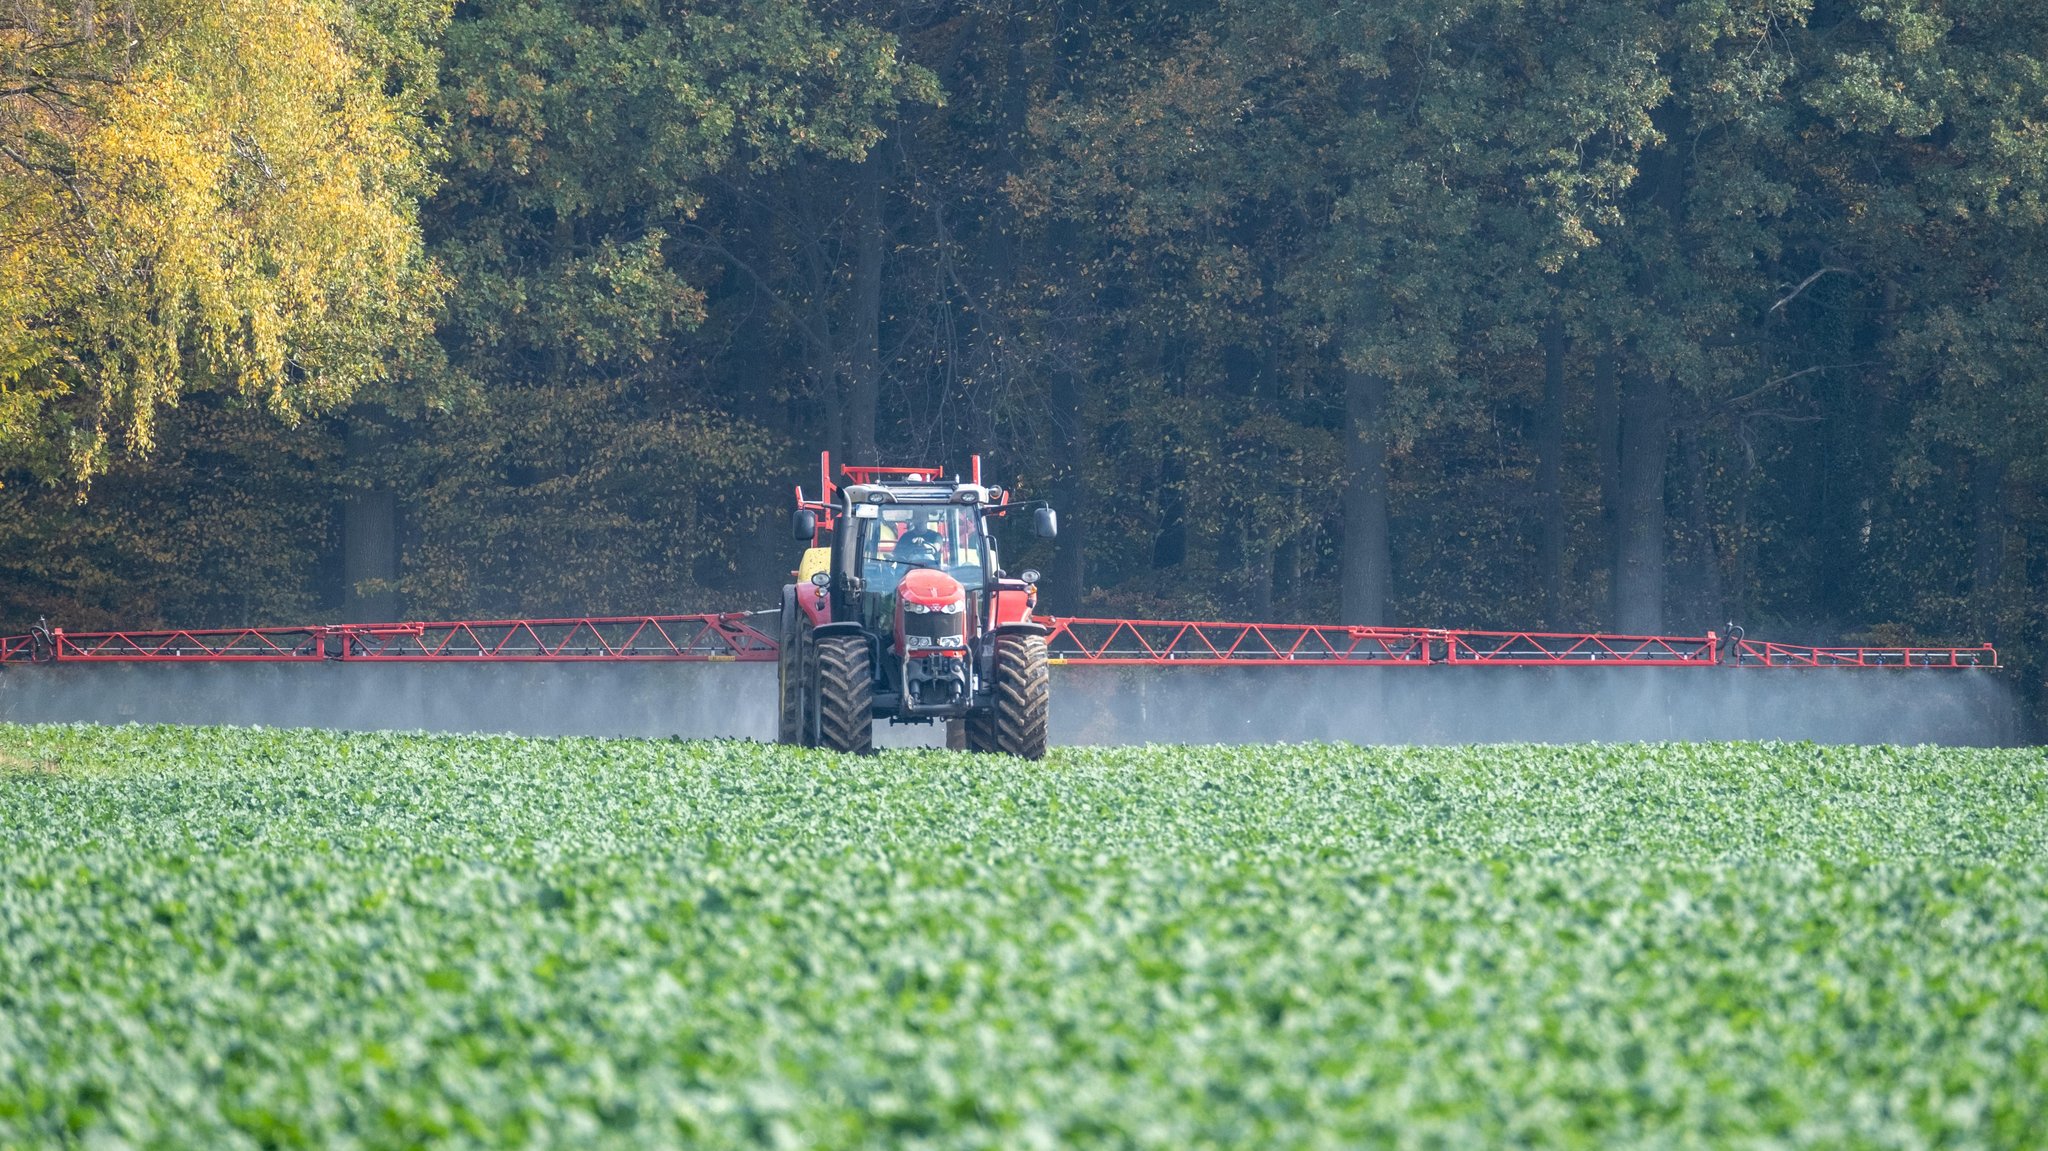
[[900, 611]]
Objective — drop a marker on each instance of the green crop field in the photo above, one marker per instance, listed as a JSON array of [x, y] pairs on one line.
[[226, 938]]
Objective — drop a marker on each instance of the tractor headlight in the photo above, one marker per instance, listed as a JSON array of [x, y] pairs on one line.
[[926, 643], [954, 608]]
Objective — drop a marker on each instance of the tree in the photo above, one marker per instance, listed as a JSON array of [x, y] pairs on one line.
[[1166, 201], [204, 195], [1942, 226], [1485, 146], [591, 463]]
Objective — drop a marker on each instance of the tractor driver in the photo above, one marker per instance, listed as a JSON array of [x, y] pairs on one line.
[[921, 547], [907, 539], [945, 538]]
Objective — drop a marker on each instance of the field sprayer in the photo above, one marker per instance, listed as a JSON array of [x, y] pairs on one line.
[[899, 610]]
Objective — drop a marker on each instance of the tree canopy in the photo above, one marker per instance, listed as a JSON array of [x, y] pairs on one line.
[[219, 194], [1624, 314]]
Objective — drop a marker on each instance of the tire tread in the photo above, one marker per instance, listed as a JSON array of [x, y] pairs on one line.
[[846, 693], [1023, 698], [789, 684]]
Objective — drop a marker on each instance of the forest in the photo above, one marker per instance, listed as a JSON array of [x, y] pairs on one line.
[[1634, 315]]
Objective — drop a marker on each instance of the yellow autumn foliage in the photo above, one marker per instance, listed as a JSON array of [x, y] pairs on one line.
[[227, 199]]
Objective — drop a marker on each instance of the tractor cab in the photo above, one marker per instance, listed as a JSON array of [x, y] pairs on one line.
[[892, 541]]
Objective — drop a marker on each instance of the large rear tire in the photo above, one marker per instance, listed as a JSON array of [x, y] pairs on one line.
[[846, 694], [789, 682], [978, 732], [1023, 701], [806, 686]]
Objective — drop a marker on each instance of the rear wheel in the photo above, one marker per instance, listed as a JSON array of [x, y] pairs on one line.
[[806, 686], [789, 682], [845, 694], [1017, 724], [978, 732]]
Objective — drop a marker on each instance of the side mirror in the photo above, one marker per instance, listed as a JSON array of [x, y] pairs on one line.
[[804, 524], [1045, 523]]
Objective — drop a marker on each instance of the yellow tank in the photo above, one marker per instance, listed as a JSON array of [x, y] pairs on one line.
[[815, 560]]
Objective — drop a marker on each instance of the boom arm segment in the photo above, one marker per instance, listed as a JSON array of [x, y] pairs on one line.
[[1763, 653], [1102, 642], [704, 638]]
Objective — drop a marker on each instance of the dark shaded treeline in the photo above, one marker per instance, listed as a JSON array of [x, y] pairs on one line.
[[1628, 314]]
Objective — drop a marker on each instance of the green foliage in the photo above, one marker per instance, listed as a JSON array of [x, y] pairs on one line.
[[229, 519], [204, 195], [229, 938], [1137, 254], [589, 465]]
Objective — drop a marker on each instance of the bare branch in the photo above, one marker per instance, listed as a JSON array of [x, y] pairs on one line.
[[1803, 285], [710, 244], [1768, 385]]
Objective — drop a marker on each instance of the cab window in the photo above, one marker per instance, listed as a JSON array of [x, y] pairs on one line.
[[901, 539]]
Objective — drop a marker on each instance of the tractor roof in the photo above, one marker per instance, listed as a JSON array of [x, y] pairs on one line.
[[908, 492], [877, 485]]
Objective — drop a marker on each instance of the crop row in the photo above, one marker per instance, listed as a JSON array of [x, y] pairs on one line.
[[261, 938]]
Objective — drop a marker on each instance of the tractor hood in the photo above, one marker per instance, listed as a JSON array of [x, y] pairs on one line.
[[931, 590]]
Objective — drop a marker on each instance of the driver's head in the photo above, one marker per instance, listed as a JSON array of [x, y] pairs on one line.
[[920, 546]]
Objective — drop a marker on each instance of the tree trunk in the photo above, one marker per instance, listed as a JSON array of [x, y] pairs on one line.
[[1645, 452], [1738, 552], [1607, 451], [824, 355], [1367, 555], [563, 252], [1170, 545], [864, 329], [1016, 111], [1069, 582], [1645, 437], [369, 540], [1550, 555], [827, 399], [1287, 552], [1987, 492], [1707, 593], [1261, 565]]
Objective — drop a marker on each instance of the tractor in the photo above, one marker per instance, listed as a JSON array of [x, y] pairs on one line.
[[899, 610]]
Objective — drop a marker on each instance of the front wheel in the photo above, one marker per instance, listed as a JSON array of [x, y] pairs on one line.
[[1017, 723], [845, 694]]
